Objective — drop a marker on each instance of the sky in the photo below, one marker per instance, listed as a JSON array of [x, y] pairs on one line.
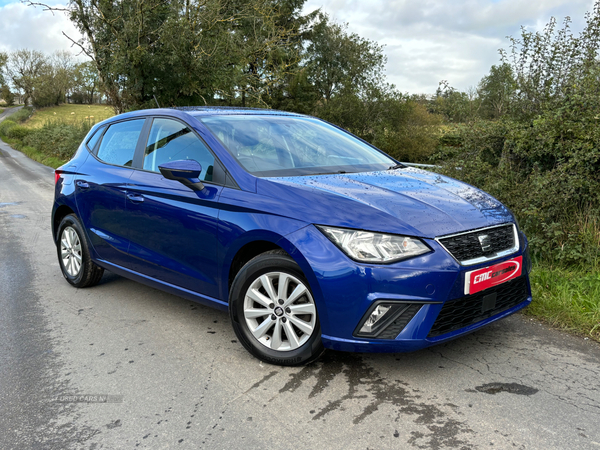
[[426, 41]]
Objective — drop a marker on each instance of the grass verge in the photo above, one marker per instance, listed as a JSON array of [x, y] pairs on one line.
[[70, 114], [567, 298], [51, 135]]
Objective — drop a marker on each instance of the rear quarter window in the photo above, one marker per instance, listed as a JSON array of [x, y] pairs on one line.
[[91, 143]]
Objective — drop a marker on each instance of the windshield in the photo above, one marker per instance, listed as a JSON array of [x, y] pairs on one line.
[[275, 146]]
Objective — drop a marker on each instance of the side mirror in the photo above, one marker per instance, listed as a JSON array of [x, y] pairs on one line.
[[186, 171]]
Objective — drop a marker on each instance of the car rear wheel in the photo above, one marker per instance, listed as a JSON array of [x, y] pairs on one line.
[[74, 255], [273, 311]]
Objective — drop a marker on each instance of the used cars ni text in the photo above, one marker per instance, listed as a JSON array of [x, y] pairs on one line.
[[310, 237]]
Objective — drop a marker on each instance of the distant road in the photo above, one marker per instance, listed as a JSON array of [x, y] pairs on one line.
[[182, 380], [9, 111]]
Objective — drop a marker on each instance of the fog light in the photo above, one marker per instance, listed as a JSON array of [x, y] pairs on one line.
[[376, 316], [386, 320]]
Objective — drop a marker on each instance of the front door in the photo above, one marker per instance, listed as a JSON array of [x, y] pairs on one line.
[[173, 229]]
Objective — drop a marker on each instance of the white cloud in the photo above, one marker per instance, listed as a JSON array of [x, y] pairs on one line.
[[432, 40], [35, 29]]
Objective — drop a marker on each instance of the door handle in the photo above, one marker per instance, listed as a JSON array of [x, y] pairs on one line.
[[82, 184], [135, 198]]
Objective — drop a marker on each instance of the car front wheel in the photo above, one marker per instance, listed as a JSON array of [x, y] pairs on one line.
[[74, 254], [273, 311]]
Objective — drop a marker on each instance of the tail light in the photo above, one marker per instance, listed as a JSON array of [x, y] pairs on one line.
[[57, 174]]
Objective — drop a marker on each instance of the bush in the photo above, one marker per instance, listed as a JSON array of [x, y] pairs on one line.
[[22, 115], [399, 126], [58, 139], [548, 173], [5, 125], [18, 132]]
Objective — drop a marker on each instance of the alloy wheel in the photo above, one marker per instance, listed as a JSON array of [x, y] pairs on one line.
[[280, 311], [70, 251]]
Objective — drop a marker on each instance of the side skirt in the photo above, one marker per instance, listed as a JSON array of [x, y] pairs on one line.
[[167, 287]]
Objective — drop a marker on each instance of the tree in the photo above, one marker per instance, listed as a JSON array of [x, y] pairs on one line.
[[547, 65], [188, 51], [454, 105], [55, 80], [24, 67], [7, 95], [338, 61], [3, 60], [496, 90], [86, 81]]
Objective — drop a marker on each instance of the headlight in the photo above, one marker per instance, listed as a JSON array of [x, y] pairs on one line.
[[365, 246]]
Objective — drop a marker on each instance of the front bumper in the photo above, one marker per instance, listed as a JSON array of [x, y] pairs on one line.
[[345, 290]]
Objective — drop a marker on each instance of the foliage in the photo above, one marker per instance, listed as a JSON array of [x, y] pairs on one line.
[[454, 105], [496, 91], [58, 139], [542, 158], [17, 132], [3, 60], [569, 299], [6, 125], [24, 68], [70, 114], [54, 81], [189, 52], [341, 63], [390, 121], [7, 95], [86, 83], [51, 135], [22, 115], [548, 65]]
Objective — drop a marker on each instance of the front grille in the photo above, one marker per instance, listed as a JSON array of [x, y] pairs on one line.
[[468, 310], [468, 248]]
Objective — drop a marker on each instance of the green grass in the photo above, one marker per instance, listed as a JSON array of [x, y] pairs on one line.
[[33, 153], [568, 299], [70, 114], [51, 135]]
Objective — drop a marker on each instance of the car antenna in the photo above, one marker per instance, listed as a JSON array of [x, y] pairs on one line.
[[157, 105]]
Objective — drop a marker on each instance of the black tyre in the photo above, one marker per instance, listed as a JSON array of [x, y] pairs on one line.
[[273, 311], [74, 254]]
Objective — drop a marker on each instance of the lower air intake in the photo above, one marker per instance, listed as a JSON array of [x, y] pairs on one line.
[[465, 311]]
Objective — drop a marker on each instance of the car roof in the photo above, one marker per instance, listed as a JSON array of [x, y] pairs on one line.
[[231, 110]]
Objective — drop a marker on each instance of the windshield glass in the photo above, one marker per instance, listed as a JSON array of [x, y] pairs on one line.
[[275, 146]]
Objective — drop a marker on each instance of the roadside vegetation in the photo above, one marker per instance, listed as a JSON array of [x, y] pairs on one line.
[[51, 135], [528, 133]]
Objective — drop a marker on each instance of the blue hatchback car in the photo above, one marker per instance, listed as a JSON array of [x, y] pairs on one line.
[[310, 237]]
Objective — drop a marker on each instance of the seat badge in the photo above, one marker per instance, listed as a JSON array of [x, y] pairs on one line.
[[484, 241]]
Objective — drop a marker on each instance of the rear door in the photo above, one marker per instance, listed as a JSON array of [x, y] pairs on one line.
[[101, 189], [173, 229]]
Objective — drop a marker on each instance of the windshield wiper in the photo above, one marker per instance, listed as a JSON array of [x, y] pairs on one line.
[[397, 166]]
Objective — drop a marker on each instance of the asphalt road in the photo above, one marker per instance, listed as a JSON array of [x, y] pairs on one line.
[[177, 377]]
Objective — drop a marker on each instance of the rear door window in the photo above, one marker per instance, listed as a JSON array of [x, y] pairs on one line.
[[119, 142]]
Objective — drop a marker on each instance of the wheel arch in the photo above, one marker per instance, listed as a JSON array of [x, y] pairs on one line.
[[59, 214], [251, 245]]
